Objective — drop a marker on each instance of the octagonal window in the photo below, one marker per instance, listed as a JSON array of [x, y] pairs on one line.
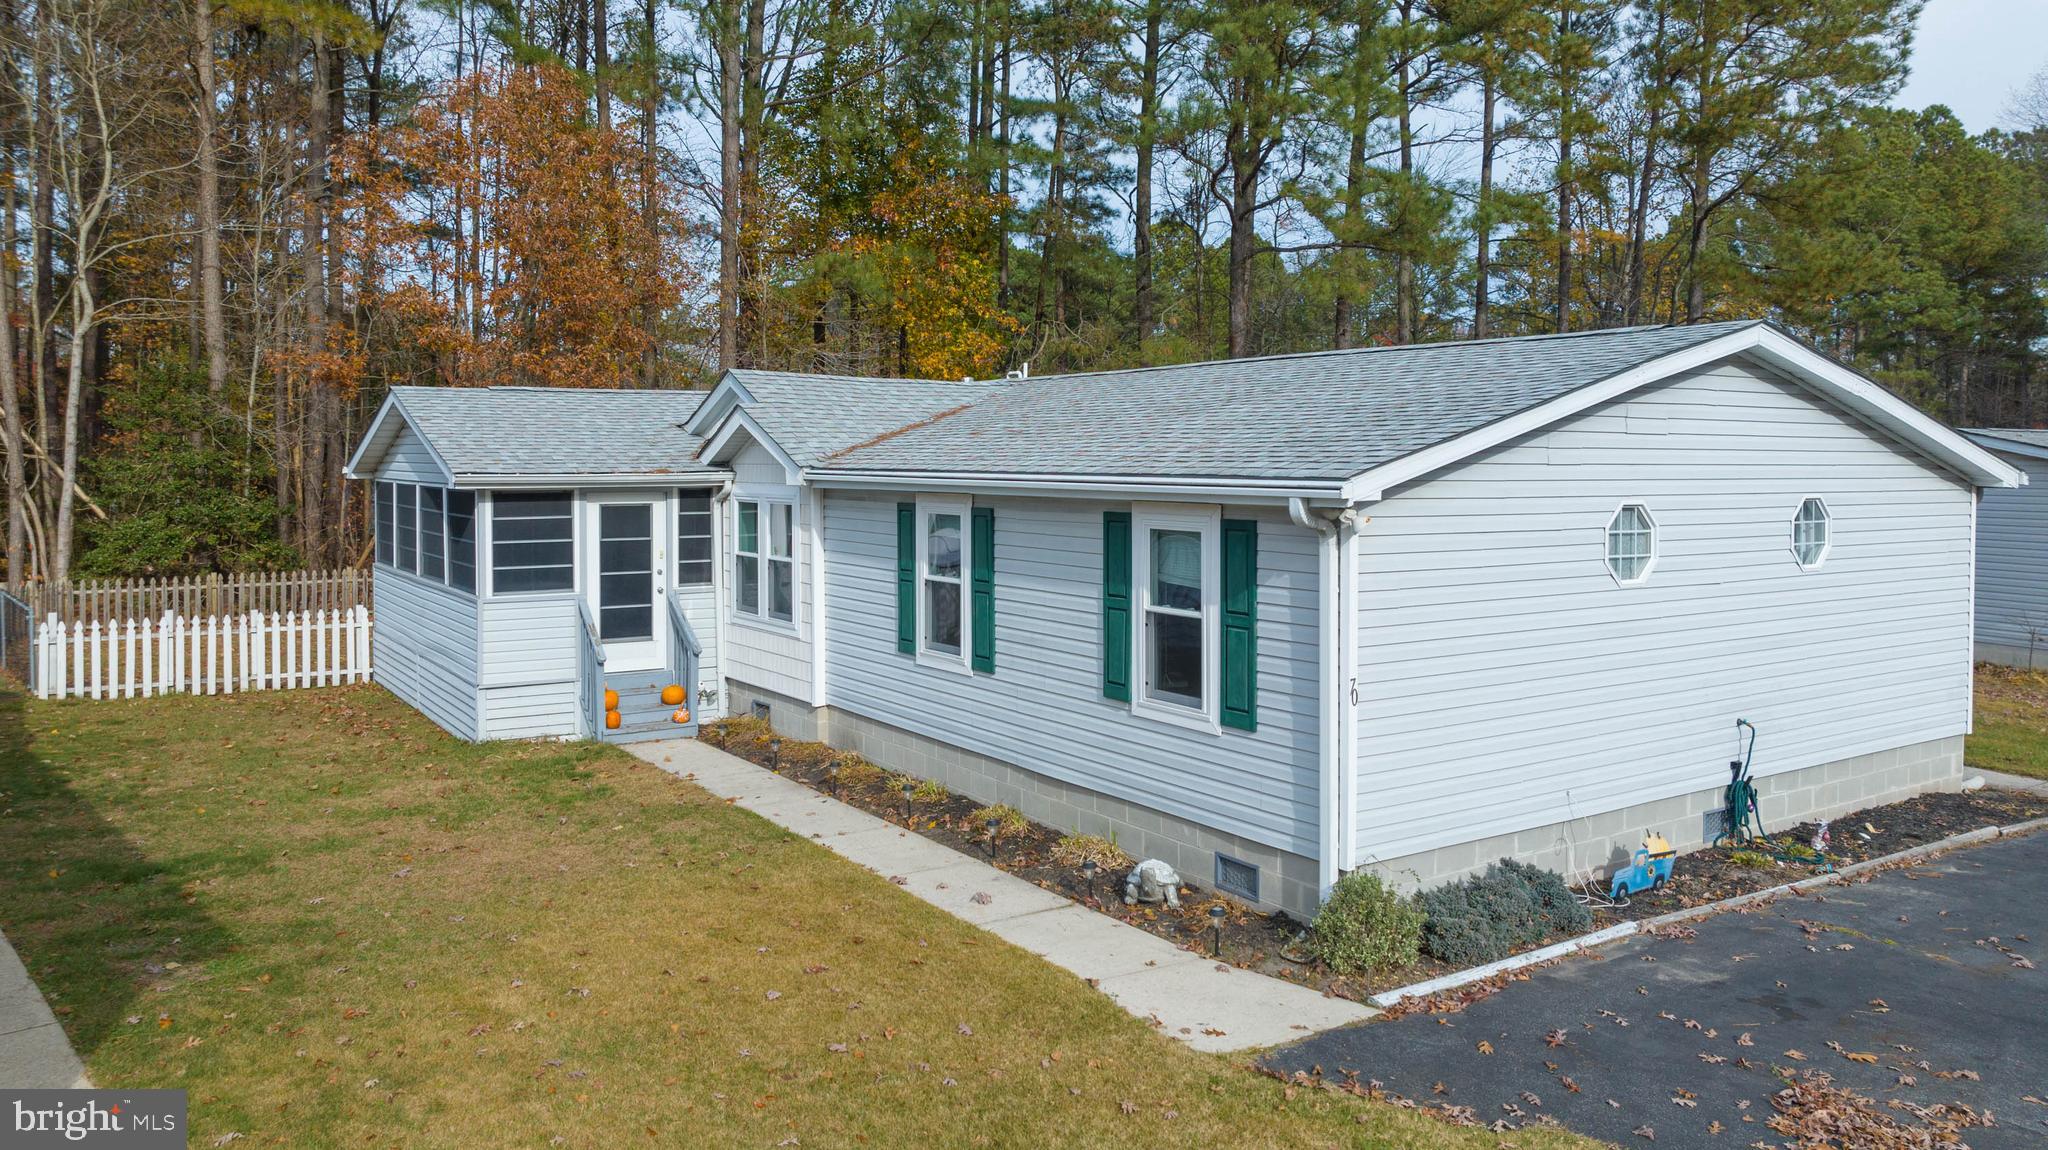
[[1631, 543], [1810, 533]]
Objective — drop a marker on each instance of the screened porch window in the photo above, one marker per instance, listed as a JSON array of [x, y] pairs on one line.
[[433, 538], [408, 527], [533, 540], [693, 538]]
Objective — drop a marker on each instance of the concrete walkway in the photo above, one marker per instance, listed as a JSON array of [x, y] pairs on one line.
[[1190, 997], [2010, 782], [33, 1050]]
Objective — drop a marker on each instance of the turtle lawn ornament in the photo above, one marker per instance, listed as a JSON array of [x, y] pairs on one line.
[[1152, 881]]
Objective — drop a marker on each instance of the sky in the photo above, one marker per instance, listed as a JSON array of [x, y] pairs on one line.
[[1974, 54]]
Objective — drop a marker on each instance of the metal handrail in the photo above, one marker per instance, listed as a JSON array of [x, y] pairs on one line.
[[590, 673]]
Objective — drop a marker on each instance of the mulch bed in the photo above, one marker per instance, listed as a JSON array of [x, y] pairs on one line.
[[1714, 873], [1268, 942]]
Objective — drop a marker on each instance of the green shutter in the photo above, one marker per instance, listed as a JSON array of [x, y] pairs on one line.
[[906, 578], [983, 618], [1116, 605], [1241, 624]]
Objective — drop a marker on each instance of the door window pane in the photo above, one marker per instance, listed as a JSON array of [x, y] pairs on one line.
[[532, 542], [625, 571]]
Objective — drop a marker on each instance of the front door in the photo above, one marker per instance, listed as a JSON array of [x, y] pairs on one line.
[[627, 558]]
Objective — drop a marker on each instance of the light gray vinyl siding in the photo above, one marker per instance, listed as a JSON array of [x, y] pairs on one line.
[[766, 654], [529, 660], [1043, 708], [2012, 562], [702, 611], [424, 648], [1506, 682], [409, 461]]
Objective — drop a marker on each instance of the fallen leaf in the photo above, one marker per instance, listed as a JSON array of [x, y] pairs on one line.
[[1485, 1047]]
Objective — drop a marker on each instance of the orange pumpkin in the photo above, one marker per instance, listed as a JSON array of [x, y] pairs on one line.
[[611, 699], [612, 720], [682, 715], [672, 694]]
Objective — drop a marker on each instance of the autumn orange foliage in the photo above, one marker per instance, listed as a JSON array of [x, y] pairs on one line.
[[532, 259]]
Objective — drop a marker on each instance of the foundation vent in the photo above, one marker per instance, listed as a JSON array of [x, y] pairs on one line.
[[1236, 877]]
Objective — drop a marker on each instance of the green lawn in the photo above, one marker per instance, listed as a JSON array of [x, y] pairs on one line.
[[2012, 722], [334, 926]]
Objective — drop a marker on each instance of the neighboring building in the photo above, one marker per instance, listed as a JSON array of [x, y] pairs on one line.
[[2012, 552], [1270, 620]]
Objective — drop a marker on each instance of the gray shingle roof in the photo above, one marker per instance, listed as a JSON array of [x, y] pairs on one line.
[[811, 416], [1312, 417], [539, 431], [2031, 436]]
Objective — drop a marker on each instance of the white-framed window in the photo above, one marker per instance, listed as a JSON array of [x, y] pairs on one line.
[[1178, 571], [693, 537], [1810, 534], [942, 615], [1631, 544], [764, 559]]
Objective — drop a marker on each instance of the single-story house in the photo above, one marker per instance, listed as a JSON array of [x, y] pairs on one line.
[[2012, 552], [1270, 620]]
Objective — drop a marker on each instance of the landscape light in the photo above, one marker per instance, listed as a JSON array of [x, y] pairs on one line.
[[1216, 931]]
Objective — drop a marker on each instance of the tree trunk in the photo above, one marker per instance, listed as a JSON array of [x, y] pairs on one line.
[[83, 317], [212, 311], [1404, 257], [601, 21], [1244, 238], [1696, 240], [1482, 212], [729, 64], [313, 257], [650, 200], [10, 397], [1141, 208], [1347, 258]]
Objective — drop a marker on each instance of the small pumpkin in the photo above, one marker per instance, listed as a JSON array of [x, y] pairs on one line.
[[612, 720], [672, 694], [611, 699], [682, 715]]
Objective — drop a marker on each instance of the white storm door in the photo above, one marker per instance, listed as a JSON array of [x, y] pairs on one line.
[[627, 557]]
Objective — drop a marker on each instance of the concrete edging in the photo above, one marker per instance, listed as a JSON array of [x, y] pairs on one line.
[[1621, 930]]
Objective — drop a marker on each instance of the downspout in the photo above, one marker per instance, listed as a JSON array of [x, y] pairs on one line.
[[814, 542], [719, 553], [1330, 709]]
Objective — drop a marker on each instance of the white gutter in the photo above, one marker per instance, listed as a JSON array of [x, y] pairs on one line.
[[579, 479], [1142, 486], [1330, 839]]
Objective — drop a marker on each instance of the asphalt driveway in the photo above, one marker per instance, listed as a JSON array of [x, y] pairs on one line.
[[1925, 968]]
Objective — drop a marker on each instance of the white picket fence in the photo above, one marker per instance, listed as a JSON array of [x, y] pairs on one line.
[[206, 655]]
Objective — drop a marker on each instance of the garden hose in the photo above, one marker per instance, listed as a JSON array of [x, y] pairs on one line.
[[1742, 823]]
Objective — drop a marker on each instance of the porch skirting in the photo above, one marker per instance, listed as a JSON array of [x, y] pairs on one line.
[[1592, 846]]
